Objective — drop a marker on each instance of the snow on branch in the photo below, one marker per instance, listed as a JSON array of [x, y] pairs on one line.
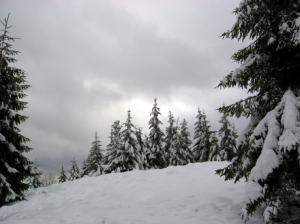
[[277, 133], [12, 194]]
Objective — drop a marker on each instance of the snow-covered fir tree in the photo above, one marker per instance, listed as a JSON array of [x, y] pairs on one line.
[[180, 153], [92, 165], [35, 180], [146, 152], [141, 147], [62, 177], [157, 157], [215, 153], [74, 171], [268, 149], [170, 135], [113, 149], [228, 136], [84, 169], [186, 141], [201, 147], [15, 168], [127, 157]]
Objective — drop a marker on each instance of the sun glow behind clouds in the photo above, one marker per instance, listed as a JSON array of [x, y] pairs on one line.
[[87, 84]]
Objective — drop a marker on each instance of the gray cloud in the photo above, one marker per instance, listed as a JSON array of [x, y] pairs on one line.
[[88, 61]]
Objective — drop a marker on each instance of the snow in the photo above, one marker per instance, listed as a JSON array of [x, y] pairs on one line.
[[12, 195], [271, 40], [183, 194], [2, 138], [12, 148], [10, 169], [277, 132], [267, 161], [290, 121]]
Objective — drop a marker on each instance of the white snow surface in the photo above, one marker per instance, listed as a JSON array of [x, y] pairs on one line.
[[190, 194]]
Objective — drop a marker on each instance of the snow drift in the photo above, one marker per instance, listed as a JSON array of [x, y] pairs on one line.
[[190, 194]]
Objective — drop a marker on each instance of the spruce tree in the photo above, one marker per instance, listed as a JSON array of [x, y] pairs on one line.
[[141, 147], [228, 136], [128, 157], [15, 168], [215, 153], [180, 153], [157, 158], [74, 171], [84, 168], [268, 148], [146, 152], [175, 151], [113, 149], [186, 141], [201, 147], [171, 130], [92, 165], [35, 180], [62, 177]]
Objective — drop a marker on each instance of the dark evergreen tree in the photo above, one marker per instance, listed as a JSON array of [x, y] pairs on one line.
[[157, 157], [62, 177], [128, 157], [84, 168], [35, 180], [93, 164], [268, 149], [15, 168], [170, 135], [74, 171], [215, 153], [228, 136], [201, 147]]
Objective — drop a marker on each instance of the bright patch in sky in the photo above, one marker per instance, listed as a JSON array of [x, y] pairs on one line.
[[87, 84]]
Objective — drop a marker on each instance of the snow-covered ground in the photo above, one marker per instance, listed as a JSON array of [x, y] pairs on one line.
[[190, 194]]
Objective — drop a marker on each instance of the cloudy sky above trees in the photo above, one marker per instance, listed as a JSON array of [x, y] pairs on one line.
[[88, 62]]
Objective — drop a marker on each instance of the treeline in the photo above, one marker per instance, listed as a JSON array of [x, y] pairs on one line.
[[130, 149]]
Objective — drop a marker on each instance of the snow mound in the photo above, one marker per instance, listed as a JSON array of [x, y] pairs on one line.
[[190, 194]]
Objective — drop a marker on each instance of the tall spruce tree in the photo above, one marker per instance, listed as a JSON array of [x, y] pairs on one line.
[[146, 152], [92, 165], [114, 149], [268, 148], [180, 153], [215, 153], [228, 136], [171, 130], [128, 157], [201, 147], [186, 141], [62, 177], [157, 158], [141, 147], [15, 168], [74, 171]]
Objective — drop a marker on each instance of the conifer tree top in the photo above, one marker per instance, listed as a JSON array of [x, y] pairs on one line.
[[270, 65], [15, 168]]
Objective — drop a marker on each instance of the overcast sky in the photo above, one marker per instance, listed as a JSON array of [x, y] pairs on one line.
[[89, 61]]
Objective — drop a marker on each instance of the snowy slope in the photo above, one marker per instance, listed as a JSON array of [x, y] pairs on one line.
[[190, 194]]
